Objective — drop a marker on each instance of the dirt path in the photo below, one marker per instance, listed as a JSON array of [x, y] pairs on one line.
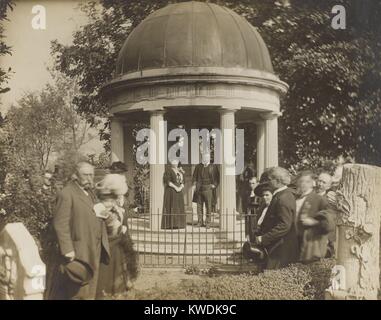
[[162, 278]]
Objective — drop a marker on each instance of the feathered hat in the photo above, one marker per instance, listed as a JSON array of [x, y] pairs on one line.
[[112, 184]]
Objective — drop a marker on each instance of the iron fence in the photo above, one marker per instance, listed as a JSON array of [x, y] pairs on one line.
[[179, 241]]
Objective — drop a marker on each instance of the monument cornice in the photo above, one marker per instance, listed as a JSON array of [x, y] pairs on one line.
[[180, 76], [164, 95]]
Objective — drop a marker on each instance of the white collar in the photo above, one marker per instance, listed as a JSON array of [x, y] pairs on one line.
[[279, 190]]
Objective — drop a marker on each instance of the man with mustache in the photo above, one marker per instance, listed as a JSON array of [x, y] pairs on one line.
[[82, 237]]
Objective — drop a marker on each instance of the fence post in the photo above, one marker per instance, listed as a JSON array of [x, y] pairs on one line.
[[358, 202]]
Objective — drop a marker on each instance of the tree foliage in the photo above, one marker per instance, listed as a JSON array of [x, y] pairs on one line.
[[333, 105], [5, 6], [35, 127], [45, 122]]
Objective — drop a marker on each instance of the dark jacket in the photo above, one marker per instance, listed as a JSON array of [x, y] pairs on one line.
[[250, 204], [314, 240], [214, 174], [278, 230], [313, 204], [77, 228]]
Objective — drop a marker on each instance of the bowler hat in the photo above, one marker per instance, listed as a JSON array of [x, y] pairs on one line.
[[250, 251], [78, 271], [264, 184]]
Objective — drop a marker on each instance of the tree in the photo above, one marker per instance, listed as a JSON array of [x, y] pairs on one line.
[[332, 107], [35, 127], [5, 5], [45, 122], [3, 152], [78, 127]]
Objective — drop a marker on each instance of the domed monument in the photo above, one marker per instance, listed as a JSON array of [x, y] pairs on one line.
[[197, 65]]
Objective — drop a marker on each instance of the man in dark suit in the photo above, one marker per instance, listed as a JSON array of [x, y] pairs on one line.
[[312, 219], [250, 206], [206, 177], [277, 234], [323, 183], [81, 235]]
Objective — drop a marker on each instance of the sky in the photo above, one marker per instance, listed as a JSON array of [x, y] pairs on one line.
[[31, 47]]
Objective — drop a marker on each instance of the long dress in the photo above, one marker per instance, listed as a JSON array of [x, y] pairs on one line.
[[123, 266], [174, 216]]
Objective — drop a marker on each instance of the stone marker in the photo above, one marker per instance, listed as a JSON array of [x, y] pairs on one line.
[[22, 273], [358, 201]]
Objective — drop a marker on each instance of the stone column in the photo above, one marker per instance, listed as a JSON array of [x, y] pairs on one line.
[[157, 149], [260, 148], [271, 139], [117, 136], [129, 159], [358, 204], [227, 172]]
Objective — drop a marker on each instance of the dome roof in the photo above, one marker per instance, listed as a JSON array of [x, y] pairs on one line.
[[193, 34]]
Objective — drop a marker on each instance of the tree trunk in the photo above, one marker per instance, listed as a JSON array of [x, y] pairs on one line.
[[356, 275]]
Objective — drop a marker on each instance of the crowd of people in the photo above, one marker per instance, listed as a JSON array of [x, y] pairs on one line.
[[289, 220], [286, 221]]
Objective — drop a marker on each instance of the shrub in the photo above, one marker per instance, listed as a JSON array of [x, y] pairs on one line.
[[24, 201], [288, 283], [296, 282]]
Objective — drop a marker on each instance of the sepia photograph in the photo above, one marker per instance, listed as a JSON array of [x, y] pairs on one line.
[[197, 152]]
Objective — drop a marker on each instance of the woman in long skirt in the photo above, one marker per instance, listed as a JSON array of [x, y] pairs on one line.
[[117, 276], [173, 208]]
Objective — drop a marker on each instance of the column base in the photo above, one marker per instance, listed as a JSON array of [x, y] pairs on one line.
[[344, 295]]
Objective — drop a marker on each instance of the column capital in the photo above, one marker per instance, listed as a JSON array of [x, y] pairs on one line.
[[270, 115], [116, 118], [227, 110], [156, 111]]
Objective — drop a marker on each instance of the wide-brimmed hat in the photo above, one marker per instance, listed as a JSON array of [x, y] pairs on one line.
[[78, 271], [264, 184], [112, 184], [118, 167]]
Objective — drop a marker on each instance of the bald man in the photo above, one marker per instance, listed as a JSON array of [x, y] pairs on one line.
[[81, 235], [323, 186], [323, 183]]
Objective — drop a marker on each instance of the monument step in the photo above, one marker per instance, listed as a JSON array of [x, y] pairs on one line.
[[191, 250], [181, 238]]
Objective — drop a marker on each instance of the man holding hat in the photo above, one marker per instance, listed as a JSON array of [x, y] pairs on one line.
[[82, 238], [277, 237]]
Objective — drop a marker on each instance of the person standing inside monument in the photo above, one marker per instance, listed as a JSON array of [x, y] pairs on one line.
[[206, 177], [82, 238], [174, 216]]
